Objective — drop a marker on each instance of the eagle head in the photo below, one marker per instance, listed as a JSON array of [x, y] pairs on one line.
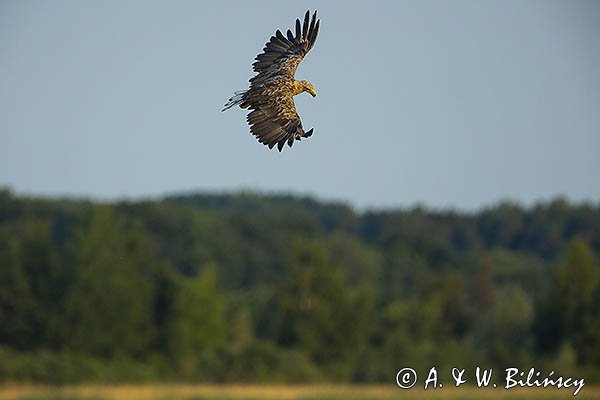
[[305, 86]]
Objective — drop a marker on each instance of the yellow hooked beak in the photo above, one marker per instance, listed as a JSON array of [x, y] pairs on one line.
[[312, 92]]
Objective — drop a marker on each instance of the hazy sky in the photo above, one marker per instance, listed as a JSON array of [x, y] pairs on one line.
[[447, 103]]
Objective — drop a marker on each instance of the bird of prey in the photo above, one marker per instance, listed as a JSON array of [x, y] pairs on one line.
[[273, 118]]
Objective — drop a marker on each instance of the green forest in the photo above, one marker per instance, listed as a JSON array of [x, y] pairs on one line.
[[249, 287]]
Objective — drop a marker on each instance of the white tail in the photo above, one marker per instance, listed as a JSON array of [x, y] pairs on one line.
[[234, 100]]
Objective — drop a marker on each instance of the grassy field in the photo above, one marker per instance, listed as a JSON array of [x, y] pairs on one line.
[[258, 392]]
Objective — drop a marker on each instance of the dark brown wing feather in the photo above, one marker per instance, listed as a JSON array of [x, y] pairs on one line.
[[273, 119], [281, 55]]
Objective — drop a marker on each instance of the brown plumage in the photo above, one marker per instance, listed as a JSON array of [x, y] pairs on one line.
[[273, 119]]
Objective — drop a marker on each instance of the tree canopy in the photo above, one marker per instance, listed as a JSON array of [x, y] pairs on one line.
[[250, 287]]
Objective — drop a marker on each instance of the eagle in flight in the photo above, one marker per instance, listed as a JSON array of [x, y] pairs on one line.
[[274, 119]]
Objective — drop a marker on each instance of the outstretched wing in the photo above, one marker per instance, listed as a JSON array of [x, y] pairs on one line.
[[282, 54], [273, 119]]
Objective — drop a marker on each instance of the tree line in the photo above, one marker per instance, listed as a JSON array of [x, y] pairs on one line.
[[281, 288]]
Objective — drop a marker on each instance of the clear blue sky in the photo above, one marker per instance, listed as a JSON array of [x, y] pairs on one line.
[[447, 103]]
